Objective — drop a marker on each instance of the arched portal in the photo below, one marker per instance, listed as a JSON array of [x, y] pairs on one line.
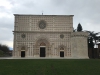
[[42, 47], [62, 51], [23, 51]]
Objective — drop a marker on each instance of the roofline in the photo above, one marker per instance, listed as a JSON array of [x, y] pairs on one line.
[[38, 15]]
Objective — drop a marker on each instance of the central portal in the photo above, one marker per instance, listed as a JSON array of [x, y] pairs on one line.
[[42, 52], [61, 53], [22, 53]]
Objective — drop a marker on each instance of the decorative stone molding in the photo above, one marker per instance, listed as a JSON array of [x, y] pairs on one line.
[[42, 39], [79, 34], [42, 24]]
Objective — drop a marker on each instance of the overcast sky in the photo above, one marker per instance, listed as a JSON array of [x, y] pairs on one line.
[[86, 12]]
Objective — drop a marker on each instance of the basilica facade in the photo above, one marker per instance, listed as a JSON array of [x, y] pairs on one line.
[[49, 36]]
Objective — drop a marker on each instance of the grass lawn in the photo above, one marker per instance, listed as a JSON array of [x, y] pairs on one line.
[[50, 67]]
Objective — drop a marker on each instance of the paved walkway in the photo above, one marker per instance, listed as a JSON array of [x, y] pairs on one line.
[[37, 58], [29, 58]]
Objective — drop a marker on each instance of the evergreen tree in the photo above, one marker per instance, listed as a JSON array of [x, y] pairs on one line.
[[79, 28]]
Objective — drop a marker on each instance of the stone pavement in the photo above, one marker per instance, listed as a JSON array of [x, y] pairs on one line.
[[37, 58]]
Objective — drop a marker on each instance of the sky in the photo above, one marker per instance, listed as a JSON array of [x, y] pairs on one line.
[[86, 12]]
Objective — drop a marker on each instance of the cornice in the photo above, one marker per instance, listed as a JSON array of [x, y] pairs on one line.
[[41, 32], [38, 15]]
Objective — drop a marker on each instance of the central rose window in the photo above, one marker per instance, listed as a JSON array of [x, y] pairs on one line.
[[42, 24]]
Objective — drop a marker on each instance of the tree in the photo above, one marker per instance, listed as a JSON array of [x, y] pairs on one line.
[[94, 36], [90, 43], [1, 53], [79, 28], [90, 47], [93, 39], [74, 30], [4, 50]]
